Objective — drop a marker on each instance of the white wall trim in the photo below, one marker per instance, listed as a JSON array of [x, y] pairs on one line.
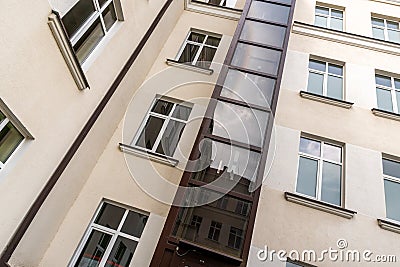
[[346, 38], [385, 114], [390, 2], [388, 225], [137, 151], [14, 120], [326, 100]]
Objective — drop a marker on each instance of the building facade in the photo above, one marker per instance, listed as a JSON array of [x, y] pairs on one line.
[[200, 133]]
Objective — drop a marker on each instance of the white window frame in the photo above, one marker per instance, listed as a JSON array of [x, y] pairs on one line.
[[329, 16], [326, 74], [167, 119], [392, 90], [114, 233], [320, 159], [385, 27], [89, 22], [391, 179], [201, 45], [2, 126]]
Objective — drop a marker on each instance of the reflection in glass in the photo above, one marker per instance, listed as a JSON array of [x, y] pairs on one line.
[[225, 165], [110, 216], [10, 138], [122, 253], [332, 152], [219, 228], [383, 80], [134, 224], [239, 123], [269, 12], [88, 41], [109, 16], [78, 14], [169, 140], [94, 249], [310, 147], [189, 53], [378, 33], [391, 168], [331, 183], [150, 132], [263, 33], [384, 99], [307, 176], [337, 24], [392, 198], [335, 87], [206, 57], [256, 58], [315, 83], [394, 36], [248, 88]]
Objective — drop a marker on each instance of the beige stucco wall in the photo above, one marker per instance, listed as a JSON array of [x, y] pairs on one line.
[[285, 225], [111, 179]]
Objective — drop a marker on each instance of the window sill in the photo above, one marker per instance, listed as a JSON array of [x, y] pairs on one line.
[[67, 51], [172, 62], [389, 225], [319, 205], [326, 100], [137, 151], [386, 114]]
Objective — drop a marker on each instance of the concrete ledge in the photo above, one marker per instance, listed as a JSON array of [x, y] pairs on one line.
[[319, 205], [187, 66], [388, 225], [141, 152], [326, 100], [386, 114]]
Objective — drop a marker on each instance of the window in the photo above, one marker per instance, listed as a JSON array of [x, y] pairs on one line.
[[385, 29], [391, 175], [320, 170], [388, 93], [235, 238], [196, 222], [215, 230], [329, 18], [242, 208], [224, 3], [163, 126], [325, 79], [199, 49], [87, 23], [10, 138], [111, 239]]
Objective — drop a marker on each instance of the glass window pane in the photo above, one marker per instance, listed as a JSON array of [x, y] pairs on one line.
[[398, 101], [181, 112], [391, 168], [322, 10], [257, 58], [93, 251], [331, 183], [307, 176], [10, 138], [162, 107], [392, 25], [315, 83], [397, 83], [337, 24], [102, 2], [335, 69], [169, 140], [337, 13], [321, 21], [76, 17], [394, 36], [121, 253], [383, 80], [150, 132], [269, 12], [249, 88], [384, 98], [335, 87], [213, 41], [263, 33], [225, 165], [134, 224], [189, 53], [332, 152], [196, 37], [290, 264], [378, 22], [2, 117], [89, 41], [317, 65], [310, 147], [378, 33], [110, 216], [206, 57], [239, 123], [109, 16], [392, 199]]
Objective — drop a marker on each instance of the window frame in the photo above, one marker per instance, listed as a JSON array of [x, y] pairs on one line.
[[392, 90], [100, 228], [166, 119], [320, 159], [384, 28], [391, 179], [3, 124], [329, 16], [326, 74], [201, 45], [85, 26], [216, 228]]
